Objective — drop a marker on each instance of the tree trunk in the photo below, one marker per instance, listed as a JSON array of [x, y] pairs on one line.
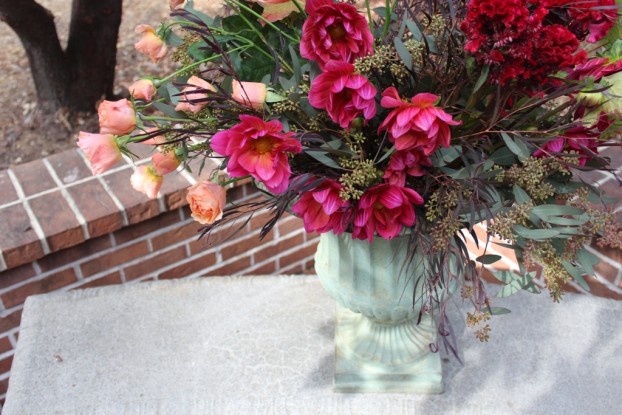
[[92, 51], [80, 76], [35, 27]]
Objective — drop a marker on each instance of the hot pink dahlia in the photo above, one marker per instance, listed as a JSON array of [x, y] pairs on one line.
[[578, 140], [334, 31], [259, 149], [322, 209], [406, 163], [416, 125], [343, 93], [385, 209]]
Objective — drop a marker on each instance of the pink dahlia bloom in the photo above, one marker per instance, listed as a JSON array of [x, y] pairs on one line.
[[322, 210], [578, 140], [385, 209], [343, 93], [116, 117], [334, 31], [259, 149], [101, 150], [406, 163], [416, 125], [147, 181]]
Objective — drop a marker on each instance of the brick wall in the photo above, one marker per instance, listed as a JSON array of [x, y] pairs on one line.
[[62, 229]]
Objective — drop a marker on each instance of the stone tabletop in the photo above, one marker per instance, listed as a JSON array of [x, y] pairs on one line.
[[263, 345]]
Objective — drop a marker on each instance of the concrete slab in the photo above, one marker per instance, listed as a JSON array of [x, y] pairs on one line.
[[264, 345]]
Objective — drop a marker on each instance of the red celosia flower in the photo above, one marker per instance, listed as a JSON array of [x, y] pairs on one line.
[[259, 149], [343, 93], [403, 163], [385, 209], [334, 31], [418, 124], [578, 140], [587, 19], [322, 210]]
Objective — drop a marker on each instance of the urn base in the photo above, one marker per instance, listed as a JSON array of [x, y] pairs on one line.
[[376, 357]]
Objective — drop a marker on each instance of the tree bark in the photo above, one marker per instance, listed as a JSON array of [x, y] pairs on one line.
[[83, 74], [35, 27], [92, 50]]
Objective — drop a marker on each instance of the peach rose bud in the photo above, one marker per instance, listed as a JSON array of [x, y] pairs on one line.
[[147, 181], [173, 4], [150, 44], [207, 202], [250, 93], [165, 162], [188, 93], [143, 89], [116, 117], [101, 150]]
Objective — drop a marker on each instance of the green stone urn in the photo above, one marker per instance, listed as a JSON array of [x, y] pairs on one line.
[[380, 343]]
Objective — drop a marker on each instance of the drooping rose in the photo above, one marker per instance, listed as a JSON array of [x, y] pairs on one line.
[[385, 209], [275, 10], [147, 181], [416, 125], [343, 93], [116, 117], [101, 150], [194, 96], [143, 89], [322, 210], [173, 4], [406, 163], [258, 148], [252, 94], [165, 162], [207, 202], [334, 31], [150, 44]]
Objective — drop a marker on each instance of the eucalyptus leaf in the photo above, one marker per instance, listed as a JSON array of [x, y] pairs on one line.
[[516, 146], [542, 211], [403, 53], [576, 274], [520, 195], [587, 261], [488, 259], [497, 311], [535, 234], [482, 78], [323, 158], [503, 157]]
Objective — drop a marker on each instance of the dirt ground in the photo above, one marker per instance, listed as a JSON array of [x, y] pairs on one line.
[[25, 134]]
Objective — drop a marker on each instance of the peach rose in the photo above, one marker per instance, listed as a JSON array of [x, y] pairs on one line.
[[101, 150], [147, 181], [250, 93], [165, 162], [189, 93], [143, 89], [207, 202], [116, 117], [173, 4], [150, 44]]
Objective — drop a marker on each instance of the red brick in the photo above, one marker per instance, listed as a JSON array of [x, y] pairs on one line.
[[234, 268], [33, 177], [5, 364], [266, 269], [613, 189], [69, 255], [113, 278], [242, 246], [289, 226], [129, 233], [69, 166], [606, 271], [181, 233], [259, 220], [97, 207], [45, 285], [137, 206], [298, 255], [18, 241], [153, 264], [216, 238], [191, 267], [16, 275], [600, 290], [11, 321], [114, 258], [59, 223], [5, 344], [4, 386], [174, 190], [7, 191]]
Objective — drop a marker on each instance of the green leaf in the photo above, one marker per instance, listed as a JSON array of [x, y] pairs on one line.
[[587, 261], [503, 157], [535, 234], [168, 110], [323, 158], [414, 29], [403, 53], [516, 146], [505, 276], [511, 288], [542, 211], [209, 21], [488, 259], [272, 96], [576, 274], [497, 311], [520, 195], [482, 78]]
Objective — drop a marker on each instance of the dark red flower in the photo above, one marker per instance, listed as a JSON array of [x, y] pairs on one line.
[[406, 163], [334, 31], [343, 93]]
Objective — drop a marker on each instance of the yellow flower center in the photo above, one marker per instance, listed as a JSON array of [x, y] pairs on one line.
[[263, 145], [336, 31]]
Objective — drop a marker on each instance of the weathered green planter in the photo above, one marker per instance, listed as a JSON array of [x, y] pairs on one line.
[[379, 347]]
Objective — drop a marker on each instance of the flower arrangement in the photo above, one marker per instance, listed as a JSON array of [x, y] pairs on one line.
[[415, 117]]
